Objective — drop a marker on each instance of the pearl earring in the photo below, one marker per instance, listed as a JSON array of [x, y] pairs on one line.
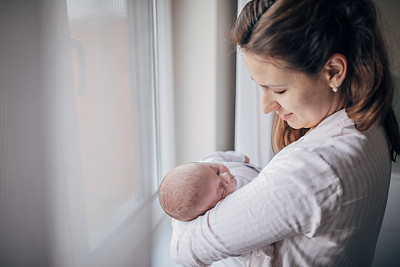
[[334, 89]]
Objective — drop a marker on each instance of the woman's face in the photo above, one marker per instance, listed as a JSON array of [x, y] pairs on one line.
[[299, 99]]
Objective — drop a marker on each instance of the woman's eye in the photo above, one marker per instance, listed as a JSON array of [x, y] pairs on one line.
[[280, 92]]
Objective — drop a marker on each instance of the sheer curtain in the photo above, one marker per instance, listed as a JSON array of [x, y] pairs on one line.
[[79, 131], [252, 127]]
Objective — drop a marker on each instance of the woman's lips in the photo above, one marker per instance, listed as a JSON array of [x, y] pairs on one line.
[[285, 117]]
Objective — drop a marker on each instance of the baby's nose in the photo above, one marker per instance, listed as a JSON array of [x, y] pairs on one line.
[[227, 177]]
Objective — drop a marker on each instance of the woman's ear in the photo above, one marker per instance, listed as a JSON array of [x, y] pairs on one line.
[[336, 70]]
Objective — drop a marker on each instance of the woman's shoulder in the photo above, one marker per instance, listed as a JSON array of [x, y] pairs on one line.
[[339, 147], [337, 125], [337, 136]]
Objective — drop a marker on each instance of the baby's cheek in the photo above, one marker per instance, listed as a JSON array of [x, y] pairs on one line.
[[233, 189]]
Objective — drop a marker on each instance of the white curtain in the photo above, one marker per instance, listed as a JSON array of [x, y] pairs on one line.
[[78, 132], [253, 128]]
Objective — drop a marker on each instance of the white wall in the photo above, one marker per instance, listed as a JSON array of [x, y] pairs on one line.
[[204, 66]]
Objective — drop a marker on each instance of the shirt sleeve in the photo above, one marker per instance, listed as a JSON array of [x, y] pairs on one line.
[[224, 156], [297, 193]]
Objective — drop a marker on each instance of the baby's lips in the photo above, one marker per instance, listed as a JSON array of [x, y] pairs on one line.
[[235, 181]]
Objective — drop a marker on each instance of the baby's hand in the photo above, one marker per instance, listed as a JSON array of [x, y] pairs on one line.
[[246, 159]]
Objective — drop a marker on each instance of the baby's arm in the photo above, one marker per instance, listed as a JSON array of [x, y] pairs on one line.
[[225, 156]]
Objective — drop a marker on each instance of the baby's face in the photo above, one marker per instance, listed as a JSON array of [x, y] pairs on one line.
[[219, 182]]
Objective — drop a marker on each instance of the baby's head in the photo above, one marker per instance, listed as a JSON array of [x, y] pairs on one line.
[[188, 191]]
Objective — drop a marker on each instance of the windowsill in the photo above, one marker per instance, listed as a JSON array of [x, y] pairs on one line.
[[157, 213], [162, 231]]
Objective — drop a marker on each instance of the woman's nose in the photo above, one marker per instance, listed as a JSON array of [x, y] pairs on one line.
[[268, 103]]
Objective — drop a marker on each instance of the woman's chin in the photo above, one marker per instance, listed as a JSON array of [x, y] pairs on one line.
[[294, 125]]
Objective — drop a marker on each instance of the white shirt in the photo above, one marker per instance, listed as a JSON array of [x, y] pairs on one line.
[[320, 200], [244, 173]]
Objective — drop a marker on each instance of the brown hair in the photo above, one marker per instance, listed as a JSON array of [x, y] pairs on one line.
[[304, 34], [179, 193]]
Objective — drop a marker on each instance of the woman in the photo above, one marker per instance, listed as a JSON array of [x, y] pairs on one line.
[[323, 68]]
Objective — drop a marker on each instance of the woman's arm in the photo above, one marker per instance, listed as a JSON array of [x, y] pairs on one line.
[[291, 196]]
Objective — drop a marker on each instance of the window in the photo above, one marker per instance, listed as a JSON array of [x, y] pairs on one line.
[[80, 125], [113, 106]]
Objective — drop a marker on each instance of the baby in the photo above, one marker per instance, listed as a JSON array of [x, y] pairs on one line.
[[188, 191]]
